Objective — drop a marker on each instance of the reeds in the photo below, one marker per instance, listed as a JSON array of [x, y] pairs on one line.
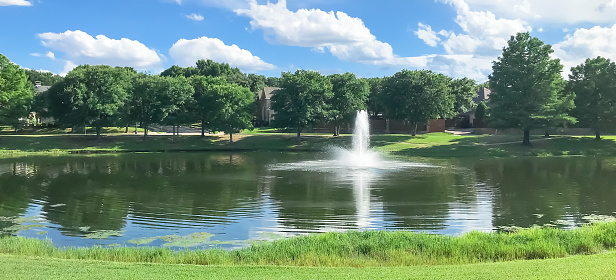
[[356, 248]]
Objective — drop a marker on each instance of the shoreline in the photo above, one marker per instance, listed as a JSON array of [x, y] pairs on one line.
[[434, 145]]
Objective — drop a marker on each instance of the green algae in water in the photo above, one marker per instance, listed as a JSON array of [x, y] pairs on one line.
[[599, 218], [271, 236], [142, 241], [103, 234], [84, 229], [191, 240], [114, 245], [19, 228], [42, 232]]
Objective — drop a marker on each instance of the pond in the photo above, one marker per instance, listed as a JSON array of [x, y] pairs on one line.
[[229, 200]]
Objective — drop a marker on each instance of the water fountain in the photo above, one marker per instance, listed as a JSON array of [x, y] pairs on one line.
[[358, 157]]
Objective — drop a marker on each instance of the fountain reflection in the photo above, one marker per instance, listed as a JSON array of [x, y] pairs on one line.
[[360, 167]]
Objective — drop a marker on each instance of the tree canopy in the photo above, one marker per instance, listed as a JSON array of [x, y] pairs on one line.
[[15, 93], [527, 87], [594, 85], [463, 90], [91, 95], [154, 98], [46, 78], [234, 107], [349, 96], [303, 100], [417, 96]]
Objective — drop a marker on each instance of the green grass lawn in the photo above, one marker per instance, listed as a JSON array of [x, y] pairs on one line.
[[601, 266], [433, 145]]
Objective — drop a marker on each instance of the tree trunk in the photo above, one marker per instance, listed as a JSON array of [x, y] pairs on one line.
[[145, 130], [98, 131], [547, 134], [135, 128], [173, 128], [598, 136], [526, 140], [415, 129], [387, 126], [299, 130], [231, 137], [202, 128], [126, 130]]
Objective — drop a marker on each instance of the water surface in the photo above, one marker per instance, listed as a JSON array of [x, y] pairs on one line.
[[232, 199]]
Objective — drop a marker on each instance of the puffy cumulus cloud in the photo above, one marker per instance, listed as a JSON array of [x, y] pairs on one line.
[[81, 48], [187, 52], [470, 52], [586, 43], [426, 34], [15, 3], [195, 17], [344, 36], [553, 11], [483, 31], [464, 65]]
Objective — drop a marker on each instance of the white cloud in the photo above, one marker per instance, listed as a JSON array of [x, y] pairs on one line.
[[81, 48], [343, 36], [195, 17], [586, 43], [229, 4], [484, 32], [187, 52], [552, 11], [15, 3], [68, 66], [470, 52], [51, 55], [426, 34]]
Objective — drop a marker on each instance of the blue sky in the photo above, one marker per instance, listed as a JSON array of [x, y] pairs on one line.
[[459, 38]]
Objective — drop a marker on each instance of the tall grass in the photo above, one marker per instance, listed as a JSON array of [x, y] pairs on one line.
[[366, 248]]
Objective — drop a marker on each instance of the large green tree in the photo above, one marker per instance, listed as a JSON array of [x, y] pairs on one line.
[[303, 100], [15, 93], [203, 106], [417, 96], [233, 108], [463, 90], [91, 95], [46, 78], [350, 95], [154, 98], [375, 105], [594, 85], [527, 87]]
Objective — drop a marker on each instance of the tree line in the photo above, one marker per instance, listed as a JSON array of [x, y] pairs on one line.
[[528, 92]]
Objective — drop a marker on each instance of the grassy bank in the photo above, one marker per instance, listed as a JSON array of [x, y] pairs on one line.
[[599, 266], [435, 145], [355, 249]]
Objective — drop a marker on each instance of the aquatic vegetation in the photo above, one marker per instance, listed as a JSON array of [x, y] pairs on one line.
[[103, 234], [191, 240], [174, 240], [599, 218], [18, 228], [142, 241]]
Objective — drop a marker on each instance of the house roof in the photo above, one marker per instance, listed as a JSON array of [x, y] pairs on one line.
[[268, 92], [40, 89], [483, 94]]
